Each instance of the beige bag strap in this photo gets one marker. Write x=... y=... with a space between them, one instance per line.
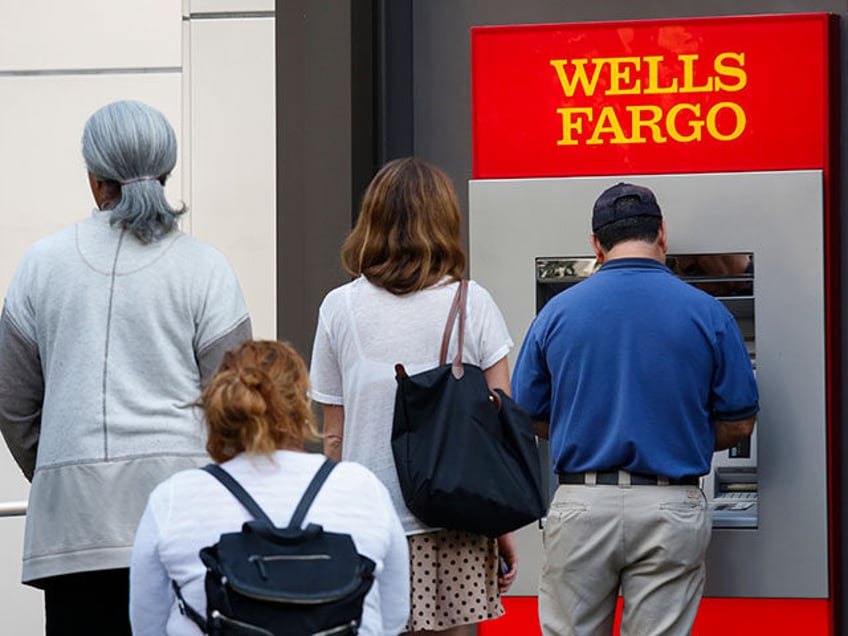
x=457 y=307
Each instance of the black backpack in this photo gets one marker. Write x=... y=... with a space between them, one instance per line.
x=269 y=581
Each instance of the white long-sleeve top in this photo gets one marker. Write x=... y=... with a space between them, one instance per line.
x=192 y=509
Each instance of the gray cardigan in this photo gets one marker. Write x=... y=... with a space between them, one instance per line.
x=104 y=342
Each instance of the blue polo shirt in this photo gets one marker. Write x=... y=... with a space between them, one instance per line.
x=631 y=367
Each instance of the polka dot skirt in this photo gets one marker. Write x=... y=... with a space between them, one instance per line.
x=454 y=580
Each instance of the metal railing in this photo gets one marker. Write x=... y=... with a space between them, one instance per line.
x=13 y=509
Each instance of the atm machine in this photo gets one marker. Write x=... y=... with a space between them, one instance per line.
x=769 y=498
x=749 y=221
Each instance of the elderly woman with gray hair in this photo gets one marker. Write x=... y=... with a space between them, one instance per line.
x=109 y=329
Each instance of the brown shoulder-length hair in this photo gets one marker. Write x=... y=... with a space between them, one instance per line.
x=258 y=401
x=407 y=234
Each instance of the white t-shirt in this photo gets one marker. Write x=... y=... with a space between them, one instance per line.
x=363 y=331
x=192 y=509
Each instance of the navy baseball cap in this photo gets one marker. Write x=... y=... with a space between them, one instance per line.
x=644 y=204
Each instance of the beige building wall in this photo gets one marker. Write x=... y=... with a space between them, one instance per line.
x=209 y=66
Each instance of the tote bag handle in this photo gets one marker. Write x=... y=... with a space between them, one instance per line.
x=457 y=307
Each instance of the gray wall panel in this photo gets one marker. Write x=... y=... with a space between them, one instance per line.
x=314 y=159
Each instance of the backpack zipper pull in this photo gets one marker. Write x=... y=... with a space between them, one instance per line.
x=260 y=564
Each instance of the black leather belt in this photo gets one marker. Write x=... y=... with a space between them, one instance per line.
x=611 y=478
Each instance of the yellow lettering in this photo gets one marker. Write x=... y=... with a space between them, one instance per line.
x=607 y=123
x=569 y=85
x=712 y=115
x=689 y=76
x=572 y=122
x=653 y=87
x=695 y=124
x=658 y=123
x=736 y=72
x=621 y=80
x=654 y=114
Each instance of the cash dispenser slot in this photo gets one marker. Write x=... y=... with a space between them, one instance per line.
x=734 y=503
x=735 y=480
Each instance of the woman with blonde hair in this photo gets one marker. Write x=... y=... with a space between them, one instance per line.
x=259 y=417
x=406 y=256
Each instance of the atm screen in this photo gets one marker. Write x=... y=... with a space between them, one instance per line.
x=721 y=275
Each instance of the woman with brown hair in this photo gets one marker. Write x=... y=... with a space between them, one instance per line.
x=406 y=256
x=259 y=416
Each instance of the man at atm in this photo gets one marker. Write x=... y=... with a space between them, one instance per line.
x=636 y=377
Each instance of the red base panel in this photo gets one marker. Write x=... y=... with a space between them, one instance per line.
x=725 y=616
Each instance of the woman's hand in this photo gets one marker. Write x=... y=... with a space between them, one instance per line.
x=509 y=561
x=333 y=432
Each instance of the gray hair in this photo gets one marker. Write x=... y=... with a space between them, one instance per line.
x=131 y=143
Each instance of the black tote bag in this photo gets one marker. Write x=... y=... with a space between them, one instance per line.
x=466 y=457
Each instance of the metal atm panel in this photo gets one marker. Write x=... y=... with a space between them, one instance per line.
x=778 y=218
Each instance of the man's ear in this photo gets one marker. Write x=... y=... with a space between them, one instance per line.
x=600 y=254
x=662 y=238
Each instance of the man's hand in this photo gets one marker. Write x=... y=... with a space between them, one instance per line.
x=731 y=432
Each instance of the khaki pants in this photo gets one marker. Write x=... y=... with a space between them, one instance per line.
x=649 y=541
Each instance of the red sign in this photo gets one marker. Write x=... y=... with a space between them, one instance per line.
x=650 y=97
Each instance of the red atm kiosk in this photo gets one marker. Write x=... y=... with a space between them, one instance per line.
x=728 y=120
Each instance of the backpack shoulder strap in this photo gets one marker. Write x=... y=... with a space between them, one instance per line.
x=311 y=491
x=238 y=492
x=188 y=611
